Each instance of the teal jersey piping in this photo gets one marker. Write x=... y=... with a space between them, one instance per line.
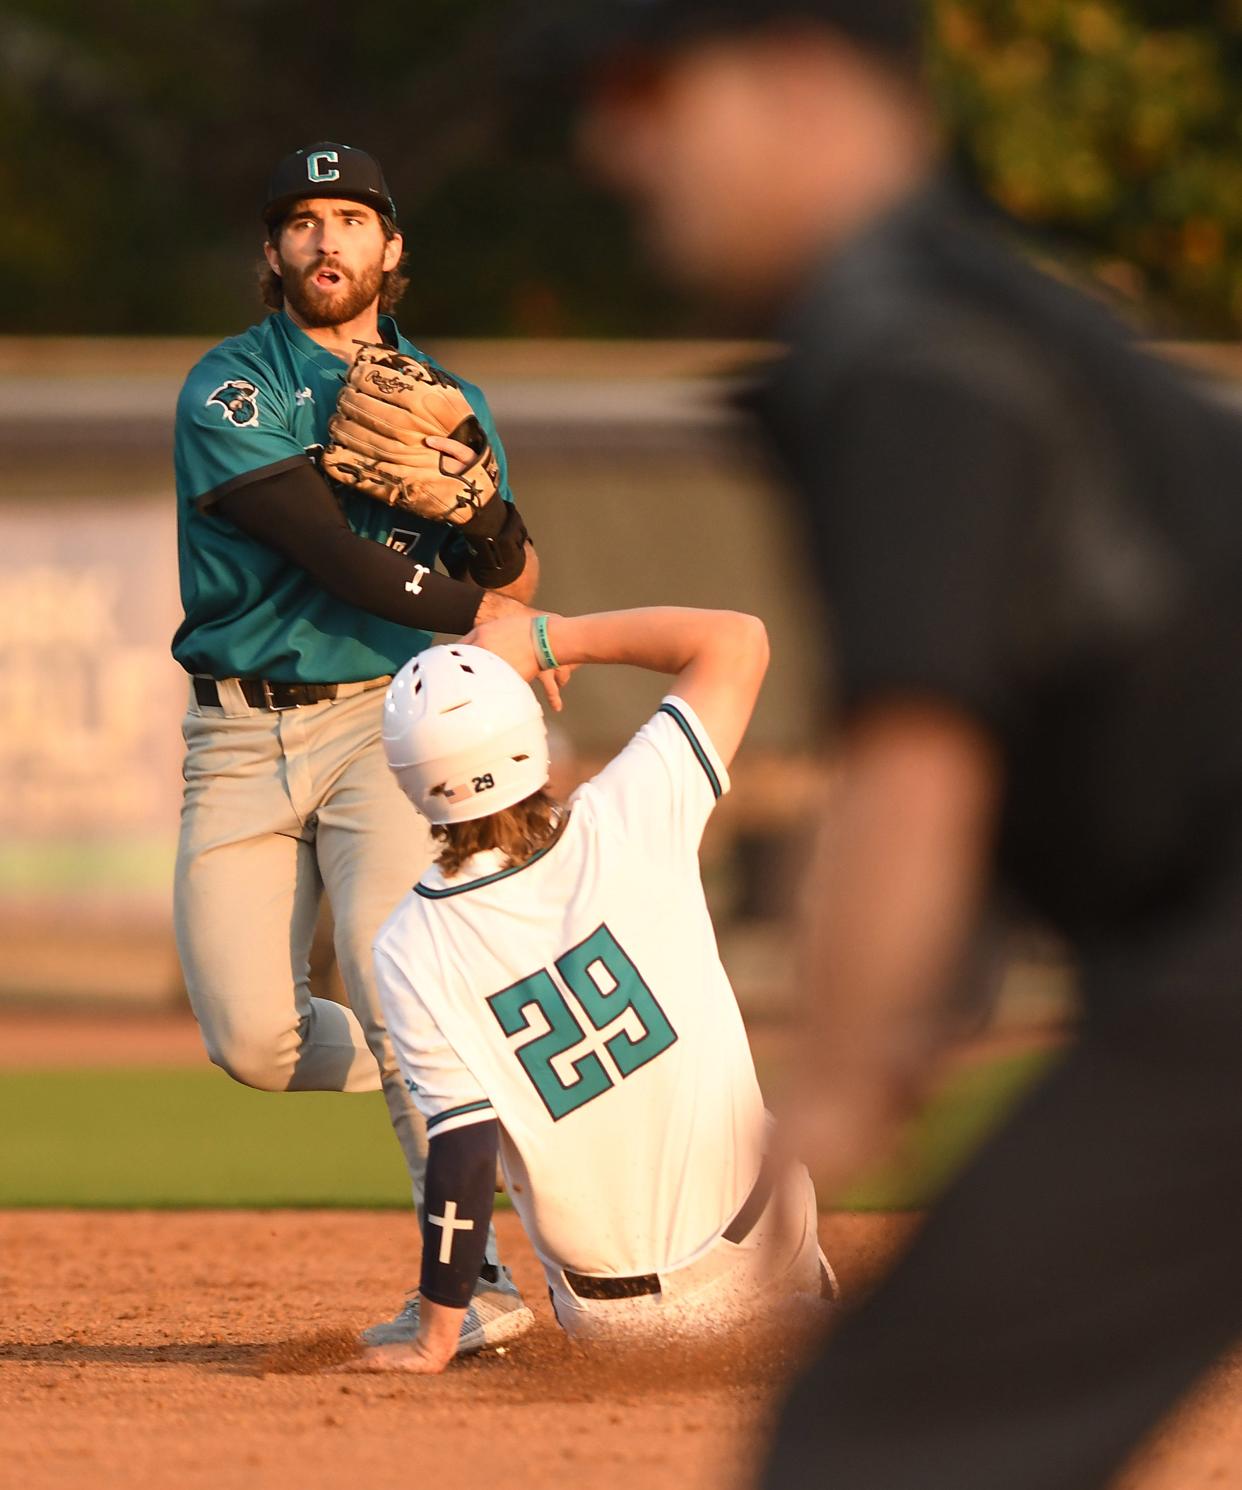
x=489 y=879
x=483 y=1106
x=700 y=753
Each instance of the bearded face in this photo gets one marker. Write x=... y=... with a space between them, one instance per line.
x=328 y=293
x=332 y=257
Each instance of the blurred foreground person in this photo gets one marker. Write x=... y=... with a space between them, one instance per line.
x=1029 y=538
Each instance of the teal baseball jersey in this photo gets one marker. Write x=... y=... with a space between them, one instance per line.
x=256 y=405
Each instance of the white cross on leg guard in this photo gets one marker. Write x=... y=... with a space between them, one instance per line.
x=449 y=1225
x=415 y=586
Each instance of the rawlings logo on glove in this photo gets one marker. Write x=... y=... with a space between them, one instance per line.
x=390 y=405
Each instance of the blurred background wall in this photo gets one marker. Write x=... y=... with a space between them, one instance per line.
x=138 y=137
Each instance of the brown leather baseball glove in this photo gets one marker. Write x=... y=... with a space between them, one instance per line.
x=388 y=408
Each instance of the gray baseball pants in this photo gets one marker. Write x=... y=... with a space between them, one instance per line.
x=278 y=808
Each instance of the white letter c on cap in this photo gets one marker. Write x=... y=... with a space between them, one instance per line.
x=315 y=166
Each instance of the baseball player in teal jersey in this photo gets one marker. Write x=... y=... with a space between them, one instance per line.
x=302 y=597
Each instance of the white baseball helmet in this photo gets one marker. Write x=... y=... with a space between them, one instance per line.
x=464 y=734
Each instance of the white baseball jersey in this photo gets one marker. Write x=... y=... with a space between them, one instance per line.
x=580 y=999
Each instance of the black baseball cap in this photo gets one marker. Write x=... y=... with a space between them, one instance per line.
x=575 y=39
x=327 y=169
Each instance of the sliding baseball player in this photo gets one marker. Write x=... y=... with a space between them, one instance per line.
x=554 y=994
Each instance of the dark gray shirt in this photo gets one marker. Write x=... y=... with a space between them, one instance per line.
x=1016 y=510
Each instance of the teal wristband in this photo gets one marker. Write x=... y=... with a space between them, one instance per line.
x=543 y=648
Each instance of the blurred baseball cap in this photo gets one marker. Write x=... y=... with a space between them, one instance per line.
x=327 y=169
x=571 y=40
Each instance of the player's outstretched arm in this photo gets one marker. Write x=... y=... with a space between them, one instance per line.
x=718 y=658
x=296 y=514
x=459 y=1192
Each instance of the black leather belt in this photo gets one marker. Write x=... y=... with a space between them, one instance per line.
x=612 y=1288
x=632 y=1288
x=260 y=694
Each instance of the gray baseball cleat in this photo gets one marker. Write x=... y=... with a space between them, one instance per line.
x=496 y=1316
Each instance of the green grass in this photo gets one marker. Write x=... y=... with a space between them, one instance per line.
x=947 y=1133
x=176 y=1138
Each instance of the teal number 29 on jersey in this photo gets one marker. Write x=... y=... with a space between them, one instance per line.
x=607 y=987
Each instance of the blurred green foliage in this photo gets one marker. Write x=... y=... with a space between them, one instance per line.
x=1117 y=122
x=138 y=136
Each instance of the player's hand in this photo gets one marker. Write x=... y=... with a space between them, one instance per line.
x=458 y=458
x=411 y=1356
x=435 y=1345
x=431 y=1350
x=423 y=1360
x=509 y=636
x=552 y=683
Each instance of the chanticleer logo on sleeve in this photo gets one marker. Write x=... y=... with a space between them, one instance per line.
x=240 y=402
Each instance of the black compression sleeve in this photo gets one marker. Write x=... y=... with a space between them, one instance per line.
x=459 y=1193
x=295 y=513
x=491 y=547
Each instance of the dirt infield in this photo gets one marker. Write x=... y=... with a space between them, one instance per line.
x=34 y=1039
x=136 y=1351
